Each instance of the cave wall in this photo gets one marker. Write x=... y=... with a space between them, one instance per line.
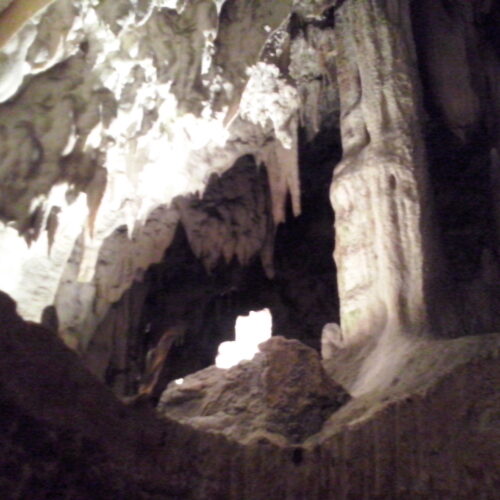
x=67 y=435
x=195 y=300
x=111 y=110
x=459 y=65
x=114 y=125
x=122 y=108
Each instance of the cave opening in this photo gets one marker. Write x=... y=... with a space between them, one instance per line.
x=189 y=311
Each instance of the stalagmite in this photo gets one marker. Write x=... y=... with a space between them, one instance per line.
x=378 y=189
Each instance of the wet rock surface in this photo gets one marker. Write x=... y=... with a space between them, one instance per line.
x=283 y=395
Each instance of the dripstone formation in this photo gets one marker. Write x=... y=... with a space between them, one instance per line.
x=167 y=166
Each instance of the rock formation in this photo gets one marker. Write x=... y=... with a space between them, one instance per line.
x=431 y=433
x=282 y=395
x=379 y=190
x=169 y=165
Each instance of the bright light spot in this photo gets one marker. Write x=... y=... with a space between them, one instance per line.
x=179 y=381
x=12 y=248
x=251 y=331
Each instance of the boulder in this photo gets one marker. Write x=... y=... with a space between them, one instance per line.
x=282 y=395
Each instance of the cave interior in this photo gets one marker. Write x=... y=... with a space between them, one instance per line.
x=170 y=167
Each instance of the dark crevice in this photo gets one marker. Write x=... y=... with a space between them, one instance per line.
x=458 y=152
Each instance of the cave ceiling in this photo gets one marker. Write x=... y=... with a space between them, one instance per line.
x=111 y=110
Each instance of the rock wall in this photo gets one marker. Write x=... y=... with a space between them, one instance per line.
x=90 y=103
x=66 y=435
x=122 y=107
x=459 y=63
x=203 y=296
x=282 y=395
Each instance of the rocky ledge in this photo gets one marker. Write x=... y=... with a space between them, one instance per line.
x=283 y=395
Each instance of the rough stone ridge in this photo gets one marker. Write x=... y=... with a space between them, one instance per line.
x=65 y=436
x=283 y=395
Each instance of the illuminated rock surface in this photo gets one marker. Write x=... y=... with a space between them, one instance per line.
x=109 y=116
x=379 y=190
x=280 y=396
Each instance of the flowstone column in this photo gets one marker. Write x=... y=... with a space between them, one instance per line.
x=379 y=189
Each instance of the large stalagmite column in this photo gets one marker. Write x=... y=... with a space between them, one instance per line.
x=378 y=191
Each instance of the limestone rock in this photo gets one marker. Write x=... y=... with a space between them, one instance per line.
x=109 y=110
x=379 y=191
x=283 y=395
x=63 y=432
x=65 y=436
x=232 y=219
x=331 y=338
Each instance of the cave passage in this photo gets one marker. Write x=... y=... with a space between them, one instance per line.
x=194 y=310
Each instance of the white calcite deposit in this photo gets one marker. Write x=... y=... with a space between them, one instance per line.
x=111 y=110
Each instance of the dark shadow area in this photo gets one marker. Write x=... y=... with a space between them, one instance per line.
x=461 y=186
x=459 y=138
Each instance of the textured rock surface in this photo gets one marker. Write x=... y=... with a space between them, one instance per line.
x=64 y=435
x=179 y=292
x=111 y=109
x=233 y=218
x=379 y=191
x=88 y=118
x=281 y=396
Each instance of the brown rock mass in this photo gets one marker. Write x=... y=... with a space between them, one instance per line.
x=283 y=395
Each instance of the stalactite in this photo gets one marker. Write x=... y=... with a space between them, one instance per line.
x=283 y=172
x=95 y=193
x=51 y=225
x=232 y=218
